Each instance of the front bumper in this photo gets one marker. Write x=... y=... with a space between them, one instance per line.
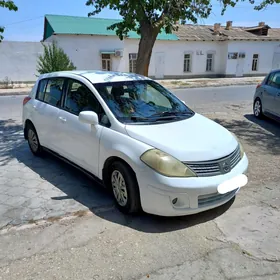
x=193 y=195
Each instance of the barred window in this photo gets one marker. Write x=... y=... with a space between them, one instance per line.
x=187 y=62
x=106 y=62
x=132 y=62
x=209 y=62
x=255 y=62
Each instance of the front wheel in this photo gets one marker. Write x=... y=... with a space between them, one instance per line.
x=258 y=108
x=125 y=188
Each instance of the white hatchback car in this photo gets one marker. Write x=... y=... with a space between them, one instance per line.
x=137 y=138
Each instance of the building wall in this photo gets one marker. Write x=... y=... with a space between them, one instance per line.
x=18 y=60
x=174 y=57
x=265 y=50
x=84 y=50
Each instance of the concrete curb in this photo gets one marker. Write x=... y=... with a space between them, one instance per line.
x=13 y=93
x=215 y=85
x=18 y=93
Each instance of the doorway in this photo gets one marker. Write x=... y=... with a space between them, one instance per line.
x=240 y=67
x=159 y=65
x=276 y=61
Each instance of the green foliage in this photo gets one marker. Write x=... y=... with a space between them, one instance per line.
x=161 y=13
x=10 y=5
x=264 y=4
x=54 y=59
x=149 y=17
x=157 y=13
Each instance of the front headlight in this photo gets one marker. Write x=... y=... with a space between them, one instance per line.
x=166 y=164
x=240 y=145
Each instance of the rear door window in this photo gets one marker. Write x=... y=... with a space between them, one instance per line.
x=53 y=92
x=50 y=91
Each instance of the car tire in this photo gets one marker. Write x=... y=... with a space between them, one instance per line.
x=125 y=188
x=257 y=109
x=33 y=140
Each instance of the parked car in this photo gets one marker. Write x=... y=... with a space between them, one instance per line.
x=267 y=97
x=137 y=138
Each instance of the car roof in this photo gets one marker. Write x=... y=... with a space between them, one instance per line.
x=274 y=70
x=97 y=76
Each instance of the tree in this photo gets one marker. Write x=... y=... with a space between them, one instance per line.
x=149 y=17
x=54 y=59
x=262 y=5
x=10 y=5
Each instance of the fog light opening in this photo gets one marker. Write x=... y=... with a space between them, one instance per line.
x=174 y=201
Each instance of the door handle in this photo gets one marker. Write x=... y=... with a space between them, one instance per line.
x=35 y=107
x=62 y=119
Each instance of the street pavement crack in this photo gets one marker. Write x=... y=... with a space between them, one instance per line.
x=205 y=256
x=256 y=275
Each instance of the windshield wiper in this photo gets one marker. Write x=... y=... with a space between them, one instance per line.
x=134 y=118
x=152 y=118
x=167 y=115
x=171 y=113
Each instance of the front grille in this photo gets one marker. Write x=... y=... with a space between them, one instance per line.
x=208 y=199
x=216 y=167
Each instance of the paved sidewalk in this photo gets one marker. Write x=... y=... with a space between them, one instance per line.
x=206 y=82
x=239 y=240
x=15 y=91
x=34 y=188
x=171 y=84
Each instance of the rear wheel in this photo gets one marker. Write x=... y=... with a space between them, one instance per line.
x=125 y=188
x=33 y=140
x=258 y=108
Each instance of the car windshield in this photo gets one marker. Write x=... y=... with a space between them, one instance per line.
x=142 y=101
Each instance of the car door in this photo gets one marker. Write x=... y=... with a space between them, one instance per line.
x=77 y=141
x=269 y=94
x=276 y=85
x=46 y=108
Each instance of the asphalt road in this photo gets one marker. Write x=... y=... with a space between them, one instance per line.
x=194 y=97
x=229 y=94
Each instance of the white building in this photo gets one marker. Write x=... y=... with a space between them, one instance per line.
x=192 y=51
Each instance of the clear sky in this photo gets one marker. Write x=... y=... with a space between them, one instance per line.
x=27 y=23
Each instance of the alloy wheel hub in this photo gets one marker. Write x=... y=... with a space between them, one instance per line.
x=119 y=187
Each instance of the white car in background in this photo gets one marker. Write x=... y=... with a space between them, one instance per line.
x=139 y=139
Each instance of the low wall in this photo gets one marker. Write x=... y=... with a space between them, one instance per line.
x=18 y=61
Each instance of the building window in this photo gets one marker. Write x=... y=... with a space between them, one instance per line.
x=255 y=62
x=187 y=62
x=209 y=62
x=106 y=62
x=132 y=62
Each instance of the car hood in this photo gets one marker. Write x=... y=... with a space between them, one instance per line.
x=194 y=139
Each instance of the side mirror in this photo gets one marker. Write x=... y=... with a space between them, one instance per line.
x=88 y=117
